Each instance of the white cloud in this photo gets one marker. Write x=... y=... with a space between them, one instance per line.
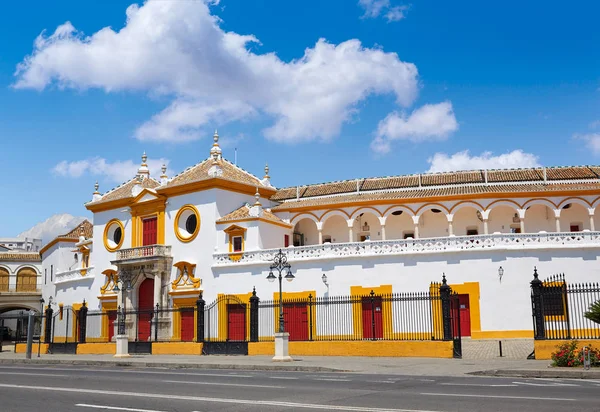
x=429 y=122
x=118 y=171
x=52 y=227
x=591 y=140
x=396 y=13
x=176 y=49
x=442 y=162
x=376 y=8
x=595 y=124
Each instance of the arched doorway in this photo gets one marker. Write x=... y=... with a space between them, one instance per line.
x=145 y=309
x=504 y=218
x=574 y=218
x=467 y=221
x=305 y=233
x=26 y=280
x=335 y=229
x=4 y=278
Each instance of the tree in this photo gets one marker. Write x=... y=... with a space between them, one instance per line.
x=594 y=312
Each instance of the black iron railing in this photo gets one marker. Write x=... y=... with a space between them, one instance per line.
x=559 y=308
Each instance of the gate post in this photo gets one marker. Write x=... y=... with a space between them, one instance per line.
x=200 y=303
x=446 y=315
x=537 y=286
x=254 y=316
x=156 y=313
x=374 y=336
x=48 y=325
x=83 y=322
x=310 y=324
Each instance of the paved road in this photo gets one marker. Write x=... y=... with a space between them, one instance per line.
x=85 y=389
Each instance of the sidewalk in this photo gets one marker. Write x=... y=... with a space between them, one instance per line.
x=371 y=365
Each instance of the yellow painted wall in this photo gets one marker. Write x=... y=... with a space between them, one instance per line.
x=429 y=349
x=502 y=334
x=544 y=348
x=22 y=348
x=96 y=348
x=176 y=348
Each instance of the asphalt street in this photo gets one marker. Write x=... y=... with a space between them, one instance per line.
x=88 y=389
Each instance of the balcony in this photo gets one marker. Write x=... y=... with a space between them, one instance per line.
x=20 y=290
x=74 y=275
x=142 y=254
x=448 y=244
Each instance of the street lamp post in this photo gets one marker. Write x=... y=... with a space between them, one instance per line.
x=124 y=278
x=42 y=301
x=280 y=264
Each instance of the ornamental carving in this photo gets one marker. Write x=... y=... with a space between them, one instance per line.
x=111 y=281
x=185 y=277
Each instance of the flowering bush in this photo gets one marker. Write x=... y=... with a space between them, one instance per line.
x=568 y=355
x=565 y=355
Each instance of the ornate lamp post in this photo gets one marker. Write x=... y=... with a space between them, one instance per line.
x=124 y=278
x=280 y=264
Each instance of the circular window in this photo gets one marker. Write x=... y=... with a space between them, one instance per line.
x=113 y=235
x=187 y=223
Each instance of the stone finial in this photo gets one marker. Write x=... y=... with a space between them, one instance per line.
x=143 y=171
x=267 y=171
x=215 y=151
x=256 y=210
x=96 y=195
x=164 y=179
x=266 y=181
x=257 y=197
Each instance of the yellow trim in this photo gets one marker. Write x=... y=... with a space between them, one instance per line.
x=254 y=219
x=55 y=241
x=235 y=231
x=297 y=297
x=503 y=334
x=176 y=348
x=176 y=223
x=148 y=209
x=96 y=349
x=195 y=282
x=179 y=303
x=105 y=236
x=216 y=183
x=429 y=349
x=471 y=289
x=107 y=306
x=359 y=292
x=544 y=348
x=223 y=314
x=111 y=279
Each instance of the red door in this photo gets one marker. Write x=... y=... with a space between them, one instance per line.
x=145 y=307
x=295 y=320
x=187 y=325
x=149 y=231
x=112 y=318
x=465 y=315
x=368 y=315
x=236 y=322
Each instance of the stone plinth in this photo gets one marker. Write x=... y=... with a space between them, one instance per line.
x=281 y=347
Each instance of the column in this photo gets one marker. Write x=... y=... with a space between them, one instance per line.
x=450 y=226
x=416 y=223
x=557 y=220
x=157 y=288
x=485 y=226
x=591 y=211
x=350 y=223
x=382 y=222
x=521 y=213
x=320 y=236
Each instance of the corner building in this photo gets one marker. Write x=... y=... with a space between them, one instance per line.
x=214 y=228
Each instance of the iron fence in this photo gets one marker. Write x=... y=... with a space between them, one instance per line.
x=559 y=308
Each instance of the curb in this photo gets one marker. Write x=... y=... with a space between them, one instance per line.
x=550 y=373
x=169 y=365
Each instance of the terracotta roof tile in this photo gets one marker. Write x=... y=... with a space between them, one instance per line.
x=244 y=213
x=435 y=192
x=436 y=179
x=88 y=231
x=20 y=257
x=331 y=188
x=288 y=193
x=199 y=172
x=514 y=175
x=392 y=182
x=124 y=191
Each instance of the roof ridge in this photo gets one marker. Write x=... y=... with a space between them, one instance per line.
x=241 y=169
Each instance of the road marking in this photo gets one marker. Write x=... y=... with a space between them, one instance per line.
x=331 y=379
x=545 y=385
x=227 y=384
x=139 y=371
x=114 y=408
x=283 y=377
x=113 y=394
x=382 y=381
x=479 y=384
x=35 y=374
x=497 y=396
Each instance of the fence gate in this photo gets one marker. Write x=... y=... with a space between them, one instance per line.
x=65 y=332
x=226 y=327
x=455 y=314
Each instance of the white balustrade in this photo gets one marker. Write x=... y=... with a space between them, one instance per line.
x=73 y=275
x=499 y=241
x=144 y=252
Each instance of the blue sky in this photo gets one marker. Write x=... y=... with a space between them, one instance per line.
x=515 y=84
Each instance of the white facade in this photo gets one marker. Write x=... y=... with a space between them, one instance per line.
x=402 y=238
